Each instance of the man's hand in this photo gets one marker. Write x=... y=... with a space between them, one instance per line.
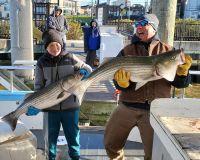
x=32 y=111
x=183 y=69
x=122 y=78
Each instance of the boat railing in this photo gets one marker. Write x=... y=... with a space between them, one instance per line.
x=18 y=65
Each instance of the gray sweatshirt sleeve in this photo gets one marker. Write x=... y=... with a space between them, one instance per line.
x=78 y=64
x=51 y=23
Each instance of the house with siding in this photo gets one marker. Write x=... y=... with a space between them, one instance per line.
x=70 y=7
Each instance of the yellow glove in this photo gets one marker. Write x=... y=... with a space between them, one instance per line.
x=122 y=77
x=183 y=69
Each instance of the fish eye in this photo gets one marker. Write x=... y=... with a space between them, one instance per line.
x=173 y=58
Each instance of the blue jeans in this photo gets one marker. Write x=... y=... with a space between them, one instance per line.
x=69 y=120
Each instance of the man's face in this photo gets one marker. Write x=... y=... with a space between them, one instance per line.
x=144 y=30
x=57 y=13
x=54 y=48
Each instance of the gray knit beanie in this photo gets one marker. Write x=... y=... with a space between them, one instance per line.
x=151 y=18
x=51 y=36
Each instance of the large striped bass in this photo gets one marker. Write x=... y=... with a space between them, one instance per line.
x=142 y=68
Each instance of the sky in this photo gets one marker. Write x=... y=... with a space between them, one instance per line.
x=85 y=2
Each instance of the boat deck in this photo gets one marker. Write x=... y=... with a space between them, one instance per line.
x=92 y=148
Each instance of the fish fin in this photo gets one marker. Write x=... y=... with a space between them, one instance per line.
x=61 y=95
x=80 y=97
x=79 y=91
x=10 y=120
x=171 y=74
x=139 y=84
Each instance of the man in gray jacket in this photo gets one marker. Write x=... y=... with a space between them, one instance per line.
x=58 y=22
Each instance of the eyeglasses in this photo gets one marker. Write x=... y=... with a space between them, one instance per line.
x=141 y=23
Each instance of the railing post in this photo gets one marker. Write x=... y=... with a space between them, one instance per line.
x=11 y=80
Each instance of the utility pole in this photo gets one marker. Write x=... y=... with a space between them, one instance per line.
x=92 y=5
x=146 y=6
x=21 y=29
x=166 y=13
x=97 y=6
x=98 y=2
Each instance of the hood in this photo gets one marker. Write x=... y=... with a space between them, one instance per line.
x=93 y=20
x=57 y=8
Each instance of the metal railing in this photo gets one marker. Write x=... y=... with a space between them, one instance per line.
x=182 y=95
x=183 y=31
x=187 y=32
x=17 y=65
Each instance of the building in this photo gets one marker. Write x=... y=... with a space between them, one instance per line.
x=70 y=7
x=192 y=9
x=188 y=9
x=4 y=9
x=123 y=3
x=86 y=10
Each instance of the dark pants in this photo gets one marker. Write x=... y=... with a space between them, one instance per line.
x=91 y=57
x=52 y=123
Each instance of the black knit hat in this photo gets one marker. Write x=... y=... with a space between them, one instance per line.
x=151 y=18
x=51 y=36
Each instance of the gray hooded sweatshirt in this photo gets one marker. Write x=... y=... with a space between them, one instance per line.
x=58 y=23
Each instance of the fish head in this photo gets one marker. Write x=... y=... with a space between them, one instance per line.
x=168 y=62
x=71 y=80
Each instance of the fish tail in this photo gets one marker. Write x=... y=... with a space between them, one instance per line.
x=11 y=120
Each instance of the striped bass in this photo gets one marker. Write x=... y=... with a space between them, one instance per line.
x=142 y=68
